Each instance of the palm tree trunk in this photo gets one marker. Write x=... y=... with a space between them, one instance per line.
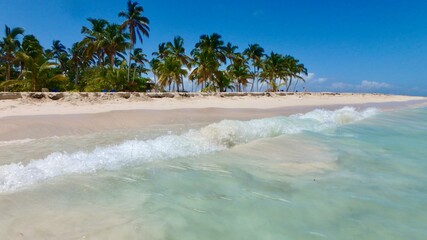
x=130 y=53
x=134 y=74
x=7 y=71
x=257 y=81
x=253 y=81
x=76 y=79
x=112 y=60
x=289 y=85
x=182 y=84
x=155 y=78
x=295 y=86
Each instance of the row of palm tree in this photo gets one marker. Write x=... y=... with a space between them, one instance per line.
x=108 y=58
x=216 y=66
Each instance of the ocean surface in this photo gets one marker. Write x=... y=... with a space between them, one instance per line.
x=343 y=174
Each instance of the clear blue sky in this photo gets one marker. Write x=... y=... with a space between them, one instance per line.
x=362 y=45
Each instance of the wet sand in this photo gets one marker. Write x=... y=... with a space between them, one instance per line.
x=20 y=119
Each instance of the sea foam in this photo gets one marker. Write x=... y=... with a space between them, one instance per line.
x=212 y=138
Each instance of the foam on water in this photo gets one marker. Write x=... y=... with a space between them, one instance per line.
x=212 y=138
x=15 y=142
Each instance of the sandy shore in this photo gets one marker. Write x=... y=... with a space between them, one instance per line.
x=29 y=118
x=27 y=107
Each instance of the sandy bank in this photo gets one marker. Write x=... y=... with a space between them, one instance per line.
x=76 y=115
x=77 y=103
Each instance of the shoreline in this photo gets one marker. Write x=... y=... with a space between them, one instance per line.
x=89 y=103
x=23 y=119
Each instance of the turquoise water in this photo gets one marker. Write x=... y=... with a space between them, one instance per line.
x=344 y=174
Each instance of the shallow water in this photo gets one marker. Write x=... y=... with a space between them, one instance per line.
x=342 y=174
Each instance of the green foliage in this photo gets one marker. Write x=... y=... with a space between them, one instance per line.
x=99 y=79
x=16 y=86
x=140 y=85
x=209 y=88
x=98 y=62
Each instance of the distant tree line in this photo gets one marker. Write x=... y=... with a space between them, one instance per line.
x=108 y=59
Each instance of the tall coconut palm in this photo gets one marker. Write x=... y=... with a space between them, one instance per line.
x=176 y=50
x=273 y=71
x=77 y=62
x=239 y=71
x=137 y=25
x=31 y=47
x=57 y=49
x=208 y=56
x=255 y=52
x=301 y=71
x=170 y=73
x=295 y=70
x=212 y=44
x=9 y=46
x=206 y=68
x=139 y=59
x=230 y=52
x=223 y=82
x=162 y=51
x=91 y=41
x=154 y=65
x=114 y=42
x=63 y=60
x=37 y=70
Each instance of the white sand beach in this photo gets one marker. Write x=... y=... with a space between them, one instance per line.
x=73 y=115
x=107 y=103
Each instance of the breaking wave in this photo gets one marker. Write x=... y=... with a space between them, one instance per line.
x=212 y=138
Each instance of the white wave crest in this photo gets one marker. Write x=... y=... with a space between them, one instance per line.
x=212 y=138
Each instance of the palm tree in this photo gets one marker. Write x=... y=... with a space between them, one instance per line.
x=223 y=82
x=162 y=51
x=37 y=70
x=170 y=73
x=273 y=71
x=206 y=67
x=239 y=71
x=136 y=23
x=10 y=45
x=295 y=70
x=255 y=52
x=208 y=56
x=57 y=49
x=140 y=59
x=301 y=71
x=114 y=42
x=91 y=42
x=212 y=44
x=63 y=60
x=176 y=50
x=31 y=47
x=230 y=52
x=77 y=61
x=154 y=65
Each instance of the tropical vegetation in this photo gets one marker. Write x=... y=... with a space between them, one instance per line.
x=110 y=57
